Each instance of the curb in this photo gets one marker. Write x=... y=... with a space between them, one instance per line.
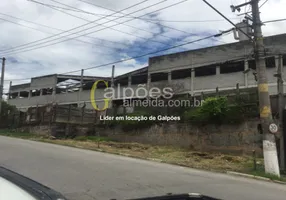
x=154 y=159
x=255 y=177
x=280 y=182
x=161 y=161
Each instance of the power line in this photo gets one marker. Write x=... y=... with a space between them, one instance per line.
x=73 y=28
x=146 y=20
x=263 y=3
x=150 y=19
x=275 y=20
x=126 y=24
x=82 y=31
x=125 y=15
x=112 y=28
x=91 y=28
x=227 y=19
x=90 y=43
x=130 y=14
x=38 y=24
x=147 y=54
x=239 y=58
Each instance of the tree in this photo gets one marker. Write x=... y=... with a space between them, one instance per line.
x=6 y=111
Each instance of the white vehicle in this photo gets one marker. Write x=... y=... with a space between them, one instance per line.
x=14 y=186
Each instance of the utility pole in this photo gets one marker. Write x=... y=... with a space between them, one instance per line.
x=269 y=144
x=2 y=84
x=280 y=89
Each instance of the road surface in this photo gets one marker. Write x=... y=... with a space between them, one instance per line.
x=88 y=175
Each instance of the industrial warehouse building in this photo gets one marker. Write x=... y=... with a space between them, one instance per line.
x=189 y=72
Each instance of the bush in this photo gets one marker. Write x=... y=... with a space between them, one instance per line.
x=216 y=110
x=6 y=109
x=7 y=112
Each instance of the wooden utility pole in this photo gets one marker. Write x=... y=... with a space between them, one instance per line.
x=269 y=144
x=2 y=85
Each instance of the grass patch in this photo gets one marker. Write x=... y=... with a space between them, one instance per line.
x=168 y=154
x=23 y=135
x=262 y=173
x=92 y=138
x=172 y=155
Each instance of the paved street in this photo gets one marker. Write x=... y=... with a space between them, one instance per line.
x=87 y=175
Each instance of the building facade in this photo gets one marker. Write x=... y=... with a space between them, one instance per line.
x=189 y=72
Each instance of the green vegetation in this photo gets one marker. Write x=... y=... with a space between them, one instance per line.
x=23 y=135
x=92 y=138
x=220 y=110
x=7 y=109
x=6 y=116
x=262 y=173
x=213 y=110
x=168 y=154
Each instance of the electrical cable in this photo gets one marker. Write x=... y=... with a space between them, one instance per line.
x=98 y=30
x=150 y=19
x=146 y=20
x=263 y=3
x=240 y=58
x=90 y=43
x=72 y=28
x=85 y=30
x=147 y=39
x=143 y=55
x=49 y=27
x=128 y=20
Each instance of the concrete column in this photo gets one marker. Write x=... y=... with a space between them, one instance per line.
x=148 y=83
x=278 y=61
x=41 y=92
x=55 y=89
x=192 y=81
x=81 y=79
x=30 y=94
x=217 y=70
x=9 y=93
x=112 y=76
x=246 y=67
x=129 y=81
x=169 y=77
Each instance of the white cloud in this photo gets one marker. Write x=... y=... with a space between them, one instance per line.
x=75 y=55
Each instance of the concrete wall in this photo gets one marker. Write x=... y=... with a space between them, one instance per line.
x=200 y=57
x=43 y=82
x=21 y=88
x=206 y=84
x=213 y=55
x=233 y=139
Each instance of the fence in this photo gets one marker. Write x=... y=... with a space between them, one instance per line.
x=49 y=114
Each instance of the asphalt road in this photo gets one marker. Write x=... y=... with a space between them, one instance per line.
x=88 y=175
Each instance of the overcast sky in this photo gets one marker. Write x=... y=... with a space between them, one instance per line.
x=170 y=26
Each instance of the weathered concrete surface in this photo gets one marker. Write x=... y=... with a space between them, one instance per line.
x=87 y=175
x=234 y=139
